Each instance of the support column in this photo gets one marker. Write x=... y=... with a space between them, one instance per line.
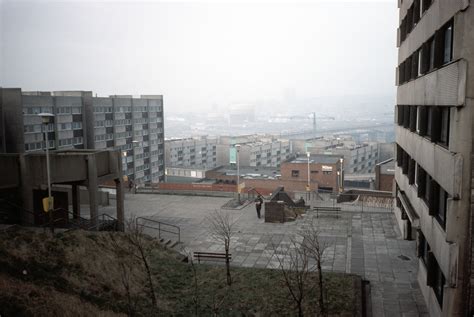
x=120 y=204
x=76 y=202
x=93 y=188
x=27 y=218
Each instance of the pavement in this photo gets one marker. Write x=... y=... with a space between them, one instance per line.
x=364 y=243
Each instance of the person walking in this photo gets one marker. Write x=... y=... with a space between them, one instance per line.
x=258 y=204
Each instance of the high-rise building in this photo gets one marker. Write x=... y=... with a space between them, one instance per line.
x=434 y=136
x=82 y=121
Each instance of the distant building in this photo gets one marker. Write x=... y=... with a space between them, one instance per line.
x=325 y=174
x=434 y=134
x=358 y=158
x=191 y=152
x=255 y=150
x=132 y=125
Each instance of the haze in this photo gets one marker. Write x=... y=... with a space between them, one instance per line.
x=202 y=55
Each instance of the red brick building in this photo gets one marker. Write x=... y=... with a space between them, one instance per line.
x=384 y=175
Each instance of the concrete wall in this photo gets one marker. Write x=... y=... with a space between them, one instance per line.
x=13 y=118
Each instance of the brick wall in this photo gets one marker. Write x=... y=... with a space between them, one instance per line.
x=316 y=174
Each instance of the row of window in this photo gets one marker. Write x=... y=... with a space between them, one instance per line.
x=413 y=16
x=123 y=121
x=432 y=122
x=432 y=54
x=99 y=109
x=435 y=277
x=59 y=110
x=38 y=145
x=71 y=141
x=434 y=196
x=36 y=128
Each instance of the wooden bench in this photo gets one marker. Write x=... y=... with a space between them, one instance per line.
x=327 y=208
x=210 y=256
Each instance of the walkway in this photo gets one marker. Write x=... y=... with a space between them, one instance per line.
x=366 y=244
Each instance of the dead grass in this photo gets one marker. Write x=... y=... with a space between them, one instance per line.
x=78 y=274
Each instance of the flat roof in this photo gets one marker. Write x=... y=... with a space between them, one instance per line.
x=317 y=159
x=252 y=172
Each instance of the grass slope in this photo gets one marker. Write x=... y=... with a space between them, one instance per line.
x=81 y=274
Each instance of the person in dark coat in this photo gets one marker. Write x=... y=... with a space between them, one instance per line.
x=258 y=205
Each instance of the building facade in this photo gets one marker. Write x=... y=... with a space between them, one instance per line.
x=255 y=151
x=434 y=136
x=132 y=125
x=191 y=152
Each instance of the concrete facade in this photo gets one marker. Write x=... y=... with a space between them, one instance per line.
x=255 y=150
x=82 y=121
x=192 y=152
x=358 y=158
x=434 y=136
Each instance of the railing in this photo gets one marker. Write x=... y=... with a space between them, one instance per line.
x=159 y=228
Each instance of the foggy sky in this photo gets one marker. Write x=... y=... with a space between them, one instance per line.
x=200 y=54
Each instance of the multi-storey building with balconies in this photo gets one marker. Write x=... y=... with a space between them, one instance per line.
x=191 y=152
x=434 y=136
x=132 y=125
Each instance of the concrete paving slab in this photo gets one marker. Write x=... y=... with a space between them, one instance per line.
x=366 y=243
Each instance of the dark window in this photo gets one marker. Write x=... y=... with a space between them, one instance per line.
x=442 y=207
x=423 y=247
x=416 y=11
x=435 y=278
x=411 y=171
x=399 y=115
x=414 y=65
x=295 y=173
x=425 y=4
x=421 y=181
x=405 y=160
x=429 y=123
x=423 y=120
x=444 y=126
x=406 y=117
x=413 y=113
x=399 y=156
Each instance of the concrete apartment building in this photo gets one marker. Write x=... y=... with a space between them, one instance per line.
x=255 y=151
x=192 y=152
x=132 y=125
x=358 y=158
x=434 y=159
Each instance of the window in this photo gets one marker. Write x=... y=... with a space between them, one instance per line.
x=435 y=278
x=423 y=248
x=442 y=204
x=444 y=133
x=448 y=44
x=295 y=173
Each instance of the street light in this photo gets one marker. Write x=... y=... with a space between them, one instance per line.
x=308 y=186
x=48 y=118
x=134 y=145
x=341 y=160
x=237 y=146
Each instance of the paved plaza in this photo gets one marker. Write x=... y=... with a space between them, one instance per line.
x=363 y=243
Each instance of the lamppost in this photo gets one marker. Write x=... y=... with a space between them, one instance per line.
x=134 y=145
x=237 y=146
x=308 y=189
x=341 y=160
x=48 y=118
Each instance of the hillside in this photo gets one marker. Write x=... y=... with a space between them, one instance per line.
x=80 y=273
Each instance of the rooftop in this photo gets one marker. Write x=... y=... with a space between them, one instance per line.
x=317 y=159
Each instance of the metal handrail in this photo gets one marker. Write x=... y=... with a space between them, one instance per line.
x=160 y=223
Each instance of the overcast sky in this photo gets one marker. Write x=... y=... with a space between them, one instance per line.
x=199 y=54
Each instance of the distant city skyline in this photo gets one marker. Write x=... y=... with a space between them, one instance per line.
x=200 y=54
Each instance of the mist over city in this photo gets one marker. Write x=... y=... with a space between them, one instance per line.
x=237 y=158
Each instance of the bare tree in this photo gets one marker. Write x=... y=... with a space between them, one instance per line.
x=315 y=248
x=221 y=229
x=296 y=271
x=142 y=249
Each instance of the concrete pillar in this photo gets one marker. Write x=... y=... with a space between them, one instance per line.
x=27 y=218
x=93 y=188
x=120 y=204
x=76 y=201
